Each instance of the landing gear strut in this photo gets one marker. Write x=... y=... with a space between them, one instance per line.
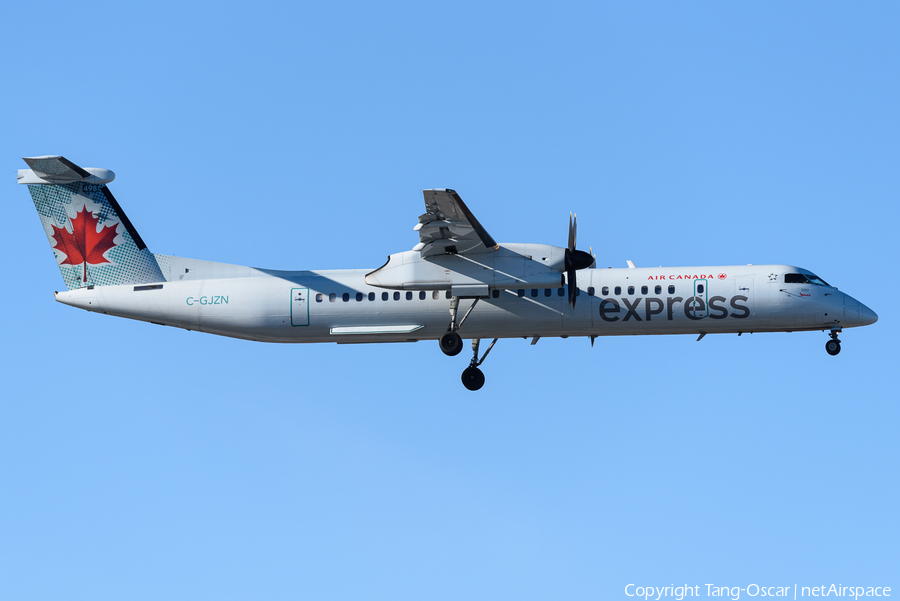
x=833 y=346
x=451 y=342
x=472 y=377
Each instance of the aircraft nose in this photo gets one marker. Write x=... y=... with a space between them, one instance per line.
x=867 y=315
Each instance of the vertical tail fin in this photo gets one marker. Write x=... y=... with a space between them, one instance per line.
x=93 y=241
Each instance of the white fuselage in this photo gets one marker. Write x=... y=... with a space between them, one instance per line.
x=338 y=306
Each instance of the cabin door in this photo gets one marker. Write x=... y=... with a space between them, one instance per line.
x=744 y=287
x=299 y=306
x=699 y=304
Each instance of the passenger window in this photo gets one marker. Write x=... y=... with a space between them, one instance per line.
x=345 y=297
x=618 y=291
x=319 y=297
x=605 y=291
x=657 y=290
x=630 y=290
x=409 y=296
x=422 y=295
x=591 y=291
x=332 y=297
x=671 y=289
x=560 y=292
x=436 y=295
x=495 y=293
x=396 y=296
x=644 y=290
x=447 y=295
x=359 y=297
x=699 y=288
x=534 y=292
x=520 y=292
x=371 y=296
x=547 y=291
x=384 y=296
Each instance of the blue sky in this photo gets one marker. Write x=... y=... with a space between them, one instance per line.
x=143 y=462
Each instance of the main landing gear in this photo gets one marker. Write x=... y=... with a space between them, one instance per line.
x=833 y=346
x=450 y=342
x=472 y=377
x=451 y=345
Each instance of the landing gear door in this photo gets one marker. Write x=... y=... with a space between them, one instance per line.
x=699 y=306
x=299 y=306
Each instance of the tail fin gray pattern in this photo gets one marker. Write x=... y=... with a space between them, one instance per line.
x=92 y=239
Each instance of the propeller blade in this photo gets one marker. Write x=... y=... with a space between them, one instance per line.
x=572 y=282
x=573 y=228
x=575 y=259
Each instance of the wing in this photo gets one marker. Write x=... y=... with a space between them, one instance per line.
x=449 y=227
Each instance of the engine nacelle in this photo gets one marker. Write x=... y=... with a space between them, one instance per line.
x=509 y=267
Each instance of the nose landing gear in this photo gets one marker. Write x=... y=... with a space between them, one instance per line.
x=833 y=346
x=472 y=377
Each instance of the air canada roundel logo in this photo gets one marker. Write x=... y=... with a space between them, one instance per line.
x=722 y=276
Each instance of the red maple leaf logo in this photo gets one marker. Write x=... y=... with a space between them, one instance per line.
x=85 y=244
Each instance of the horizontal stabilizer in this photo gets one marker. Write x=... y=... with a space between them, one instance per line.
x=56 y=170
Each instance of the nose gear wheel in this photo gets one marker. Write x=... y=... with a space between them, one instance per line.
x=833 y=346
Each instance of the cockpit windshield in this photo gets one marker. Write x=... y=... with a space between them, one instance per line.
x=800 y=278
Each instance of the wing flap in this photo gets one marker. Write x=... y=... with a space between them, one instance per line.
x=449 y=227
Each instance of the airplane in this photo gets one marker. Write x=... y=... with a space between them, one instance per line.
x=491 y=290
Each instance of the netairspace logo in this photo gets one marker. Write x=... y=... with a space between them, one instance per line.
x=754 y=590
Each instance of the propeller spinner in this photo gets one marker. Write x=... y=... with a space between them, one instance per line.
x=575 y=259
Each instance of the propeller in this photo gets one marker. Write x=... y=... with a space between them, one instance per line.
x=575 y=259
